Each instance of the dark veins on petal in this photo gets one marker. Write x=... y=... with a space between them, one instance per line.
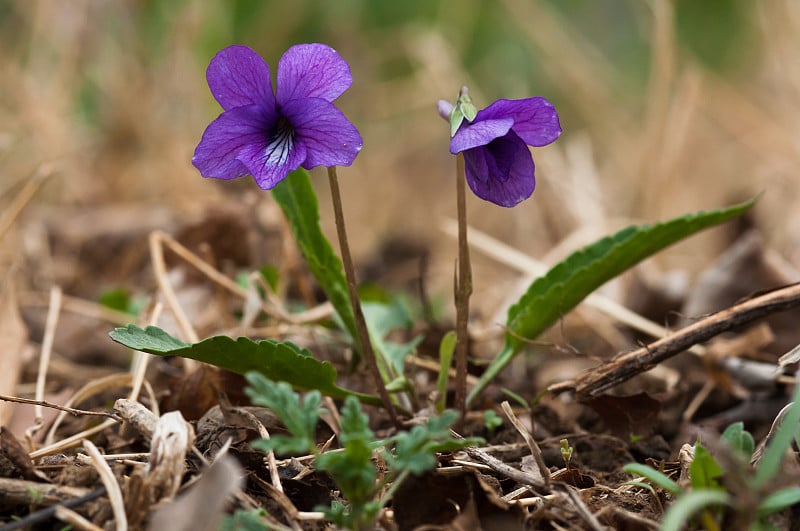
x=502 y=152
x=281 y=143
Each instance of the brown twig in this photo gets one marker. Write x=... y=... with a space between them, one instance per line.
x=44 y=403
x=536 y=452
x=507 y=470
x=625 y=366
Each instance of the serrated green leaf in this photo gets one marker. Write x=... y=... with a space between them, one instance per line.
x=297 y=199
x=569 y=282
x=704 y=469
x=279 y=361
x=151 y=339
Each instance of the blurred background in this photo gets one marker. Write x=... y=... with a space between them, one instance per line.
x=667 y=107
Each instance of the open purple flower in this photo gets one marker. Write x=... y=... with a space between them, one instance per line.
x=497 y=160
x=266 y=134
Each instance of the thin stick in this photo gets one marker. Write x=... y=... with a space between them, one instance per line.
x=24 y=197
x=536 y=452
x=141 y=359
x=626 y=366
x=68 y=516
x=44 y=403
x=23 y=492
x=349 y=271
x=110 y=483
x=160 y=271
x=271 y=307
x=44 y=361
x=463 y=290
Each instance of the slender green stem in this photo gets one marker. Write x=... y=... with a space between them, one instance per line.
x=349 y=271
x=463 y=292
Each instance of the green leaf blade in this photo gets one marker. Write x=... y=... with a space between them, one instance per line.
x=279 y=361
x=655 y=476
x=295 y=195
x=704 y=469
x=680 y=512
x=572 y=280
x=569 y=282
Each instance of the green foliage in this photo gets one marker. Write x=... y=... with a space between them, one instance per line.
x=778 y=501
x=720 y=33
x=655 y=476
x=245 y=521
x=566 y=451
x=680 y=512
x=271 y=276
x=776 y=449
x=283 y=361
x=415 y=450
x=446 y=349
x=739 y=439
x=299 y=417
x=551 y=296
x=382 y=319
x=492 y=420
x=297 y=199
x=463 y=109
x=352 y=469
x=704 y=469
x=707 y=496
x=119 y=299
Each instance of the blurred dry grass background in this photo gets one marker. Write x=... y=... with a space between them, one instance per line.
x=667 y=107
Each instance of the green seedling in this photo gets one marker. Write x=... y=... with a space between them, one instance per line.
x=352 y=468
x=707 y=495
x=566 y=451
x=492 y=420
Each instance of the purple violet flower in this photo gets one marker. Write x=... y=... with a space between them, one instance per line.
x=266 y=134
x=498 y=163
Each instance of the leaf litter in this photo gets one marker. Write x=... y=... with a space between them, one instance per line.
x=495 y=486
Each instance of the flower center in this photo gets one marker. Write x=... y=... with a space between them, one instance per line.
x=280 y=145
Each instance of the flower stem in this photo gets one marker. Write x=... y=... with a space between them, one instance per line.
x=463 y=290
x=349 y=271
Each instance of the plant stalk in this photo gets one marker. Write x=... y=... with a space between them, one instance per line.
x=463 y=290
x=358 y=314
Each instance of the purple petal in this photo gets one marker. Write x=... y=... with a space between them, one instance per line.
x=224 y=139
x=444 y=108
x=479 y=133
x=272 y=160
x=327 y=135
x=238 y=76
x=535 y=119
x=501 y=172
x=312 y=71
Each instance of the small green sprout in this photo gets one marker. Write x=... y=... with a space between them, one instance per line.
x=566 y=451
x=492 y=420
